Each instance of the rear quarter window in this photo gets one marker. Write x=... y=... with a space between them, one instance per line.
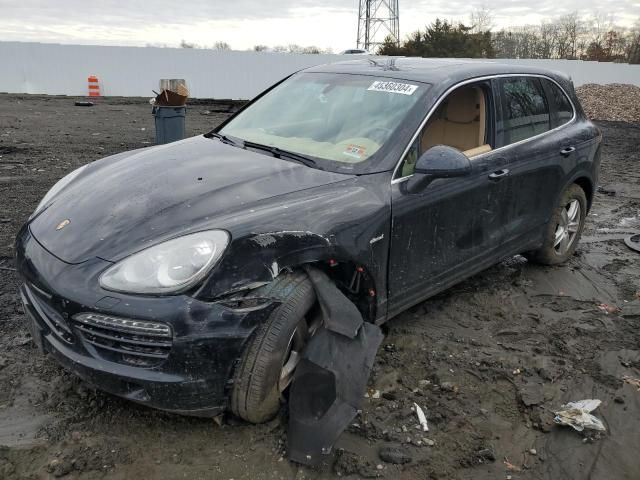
x=525 y=109
x=562 y=109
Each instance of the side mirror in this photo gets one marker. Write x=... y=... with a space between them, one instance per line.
x=439 y=161
x=443 y=162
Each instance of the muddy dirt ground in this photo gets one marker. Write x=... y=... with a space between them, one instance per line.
x=488 y=361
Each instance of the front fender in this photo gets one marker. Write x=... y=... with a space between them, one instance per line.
x=259 y=258
x=347 y=222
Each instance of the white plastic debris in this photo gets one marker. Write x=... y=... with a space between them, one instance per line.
x=421 y=418
x=577 y=415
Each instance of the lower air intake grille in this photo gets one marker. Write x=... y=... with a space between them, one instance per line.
x=135 y=342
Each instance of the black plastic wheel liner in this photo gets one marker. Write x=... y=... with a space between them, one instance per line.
x=340 y=314
x=329 y=383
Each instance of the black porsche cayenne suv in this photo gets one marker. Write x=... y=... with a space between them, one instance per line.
x=175 y=276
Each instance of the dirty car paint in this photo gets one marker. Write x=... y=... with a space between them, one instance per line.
x=384 y=247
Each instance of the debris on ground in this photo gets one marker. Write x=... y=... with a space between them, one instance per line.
x=371 y=393
x=394 y=454
x=606 y=308
x=510 y=466
x=486 y=454
x=614 y=102
x=421 y=417
x=577 y=415
x=606 y=190
x=632 y=381
x=633 y=242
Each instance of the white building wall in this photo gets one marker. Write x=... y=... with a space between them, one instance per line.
x=134 y=71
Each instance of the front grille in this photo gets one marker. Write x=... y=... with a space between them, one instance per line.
x=135 y=342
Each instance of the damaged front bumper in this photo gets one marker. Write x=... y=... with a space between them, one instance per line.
x=173 y=353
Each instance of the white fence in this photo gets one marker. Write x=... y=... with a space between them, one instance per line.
x=134 y=71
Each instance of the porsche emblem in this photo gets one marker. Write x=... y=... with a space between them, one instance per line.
x=63 y=224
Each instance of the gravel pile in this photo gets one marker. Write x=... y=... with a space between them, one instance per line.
x=614 y=102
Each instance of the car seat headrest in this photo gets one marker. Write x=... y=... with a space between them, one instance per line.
x=463 y=106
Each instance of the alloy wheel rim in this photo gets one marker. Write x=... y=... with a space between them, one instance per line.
x=568 y=227
x=298 y=340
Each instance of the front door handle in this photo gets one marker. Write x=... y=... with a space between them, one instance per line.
x=499 y=174
x=565 y=152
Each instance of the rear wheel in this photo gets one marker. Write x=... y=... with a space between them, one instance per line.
x=269 y=360
x=564 y=229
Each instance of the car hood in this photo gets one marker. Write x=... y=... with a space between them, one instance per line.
x=120 y=204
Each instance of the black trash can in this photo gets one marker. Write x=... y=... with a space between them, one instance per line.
x=169 y=123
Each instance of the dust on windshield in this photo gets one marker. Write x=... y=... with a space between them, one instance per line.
x=338 y=117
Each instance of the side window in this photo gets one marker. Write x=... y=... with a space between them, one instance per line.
x=410 y=159
x=563 y=111
x=461 y=121
x=525 y=109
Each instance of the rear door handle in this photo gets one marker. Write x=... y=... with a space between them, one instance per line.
x=565 y=152
x=499 y=174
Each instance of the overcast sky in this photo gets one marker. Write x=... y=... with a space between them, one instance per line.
x=244 y=23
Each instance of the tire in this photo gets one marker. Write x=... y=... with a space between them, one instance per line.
x=256 y=392
x=560 y=245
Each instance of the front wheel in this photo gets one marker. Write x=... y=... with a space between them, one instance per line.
x=564 y=230
x=268 y=362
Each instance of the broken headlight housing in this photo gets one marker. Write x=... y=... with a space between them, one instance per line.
x=169 y=267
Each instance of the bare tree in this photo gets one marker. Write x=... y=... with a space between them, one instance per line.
x=548 y=32
x=481 y=19
x=219 y=45
x=260 y=48
x=311 y=50
x=570 y=27
x=294 y=48
x=599 y=24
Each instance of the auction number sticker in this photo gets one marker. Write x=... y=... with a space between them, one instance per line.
x=393 y=87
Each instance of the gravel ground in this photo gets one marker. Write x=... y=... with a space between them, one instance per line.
x=489 y=360
x=614 y=102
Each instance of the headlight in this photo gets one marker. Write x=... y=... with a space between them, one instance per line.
x=63 y=182
x=167 y=267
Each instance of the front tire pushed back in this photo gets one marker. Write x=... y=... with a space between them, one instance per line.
x=255 y=396
x=564 y=229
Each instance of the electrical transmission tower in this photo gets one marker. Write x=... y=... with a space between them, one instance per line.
x=377 y=20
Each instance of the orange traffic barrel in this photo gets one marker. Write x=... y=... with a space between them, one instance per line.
x=94 y=86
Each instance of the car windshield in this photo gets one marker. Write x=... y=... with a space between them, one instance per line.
x=337 y=117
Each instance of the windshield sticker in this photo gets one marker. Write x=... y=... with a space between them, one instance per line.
x=393 y=87
x=355 y=151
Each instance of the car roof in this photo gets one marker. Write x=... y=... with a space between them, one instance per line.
x=432 y=70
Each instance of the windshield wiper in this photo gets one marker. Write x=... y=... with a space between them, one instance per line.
x=278 y=152
x=223 y=139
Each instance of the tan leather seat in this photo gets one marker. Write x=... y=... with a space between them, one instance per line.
x=478 y=150
x=460 y=124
